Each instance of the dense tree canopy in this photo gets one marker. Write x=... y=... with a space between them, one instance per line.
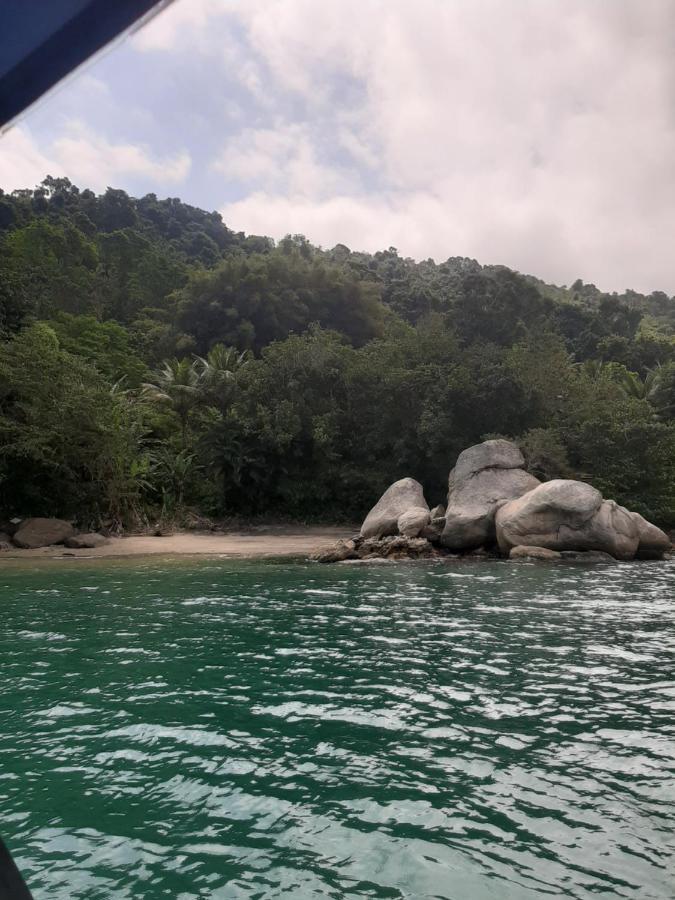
x=153 y=362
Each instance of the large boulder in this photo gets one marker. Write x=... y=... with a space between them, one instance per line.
x=383 y=518
x=485 y=476
x=653 y=542
x=567 y=515
x=35 y=533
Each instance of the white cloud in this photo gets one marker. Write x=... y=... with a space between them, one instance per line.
x=282 y=159
x=85 y=157
x=22 y=163
x=536 y=134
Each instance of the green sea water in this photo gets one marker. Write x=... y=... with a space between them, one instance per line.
x=219 y=729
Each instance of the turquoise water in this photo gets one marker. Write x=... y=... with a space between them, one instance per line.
x=257 y=730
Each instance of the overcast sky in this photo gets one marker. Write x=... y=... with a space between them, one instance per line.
x=535 y=133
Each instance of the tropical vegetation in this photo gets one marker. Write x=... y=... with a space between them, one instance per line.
x=156 y=364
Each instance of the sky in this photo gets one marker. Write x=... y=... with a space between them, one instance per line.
x=538 y=134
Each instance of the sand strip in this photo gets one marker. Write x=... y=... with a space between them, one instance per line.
x=277 y=541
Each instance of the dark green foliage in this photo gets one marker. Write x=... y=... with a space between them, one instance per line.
x=250 y=301
x=153 y=360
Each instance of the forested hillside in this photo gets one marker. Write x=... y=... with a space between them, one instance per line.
x=154 y=362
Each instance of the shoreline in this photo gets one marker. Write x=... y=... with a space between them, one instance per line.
x=270 y=541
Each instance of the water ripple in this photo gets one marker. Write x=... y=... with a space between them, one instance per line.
x=247 y=730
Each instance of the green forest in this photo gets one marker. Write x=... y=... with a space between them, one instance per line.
x=158 y=366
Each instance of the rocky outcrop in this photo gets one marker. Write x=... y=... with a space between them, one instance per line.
x=402 y=496
x=653 y=542
x=85 y=541
x=340 y=551
x=484 y=477
x=493 y=501
x=391 y=547
x=567 y=515
x=34 y=533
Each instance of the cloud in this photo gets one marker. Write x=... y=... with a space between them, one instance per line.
x=87 y=158
x=286 y=158
x=541 y=136
x=22 y=163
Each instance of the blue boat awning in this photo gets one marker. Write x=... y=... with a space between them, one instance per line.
x=42 y=41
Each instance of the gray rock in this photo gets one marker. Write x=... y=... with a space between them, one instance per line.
x=653 y=542
x=412 y=522
x=85 y=541
x=567 y=515
x=339 y=552
x=613 y=530
x=438 y=512
x=434 y=530
x=383 y=518
x=497 y=454
x=5 y=545
x=38 y=532
x=484 y=477
x=533 y=553
x=396 y=547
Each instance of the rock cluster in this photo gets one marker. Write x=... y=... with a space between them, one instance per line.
x=30 y=534
x=390 y=547
x=493 y=502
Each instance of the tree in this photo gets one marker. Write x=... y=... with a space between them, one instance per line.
x=218 y=372
x=176 y=386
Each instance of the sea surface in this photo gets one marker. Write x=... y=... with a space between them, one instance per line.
x=236 y=729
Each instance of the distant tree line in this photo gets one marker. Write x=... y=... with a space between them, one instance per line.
x=155 y=363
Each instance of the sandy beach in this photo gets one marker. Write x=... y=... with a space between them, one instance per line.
x=265 y=542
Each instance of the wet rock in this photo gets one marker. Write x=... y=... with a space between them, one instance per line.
x=541 y=553
x=587 y=556
x=371 y=561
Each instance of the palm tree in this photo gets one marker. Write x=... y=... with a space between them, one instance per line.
x=630 y=382
x=177 y=384
x=639 y=388
x=217 y=372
